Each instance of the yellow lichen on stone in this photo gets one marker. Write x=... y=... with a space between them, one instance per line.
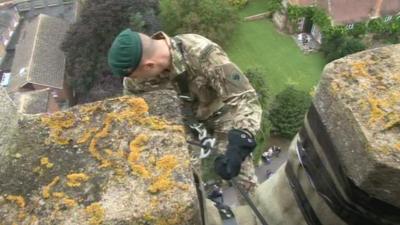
x=161 y=183
x=140 y=170
x=44 y=161
x=155 y=123
x=164 y=181
x=139 y=104
x=58 y=194
x=96 y=154
x=20 y=202
x=167 y=163
x=96 y=213
x=86 y=136
x=87 y=111
x=376 y=109
x=57 y=122
x=75 y=179
x=393 y=119
x=93 y=150
x=397 y=146
x=69 y=202
x=107 y=125
x=335 y=87
x=359 y=69
x=47 y=189
x=135 y=147
x=383 y=110
x=178 y=128
x=17 y=199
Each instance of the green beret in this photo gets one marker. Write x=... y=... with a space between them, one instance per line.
x=125 y=53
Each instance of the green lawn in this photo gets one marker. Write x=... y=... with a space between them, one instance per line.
x=257 y=44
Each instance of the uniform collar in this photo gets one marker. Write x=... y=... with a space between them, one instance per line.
x=178 y=62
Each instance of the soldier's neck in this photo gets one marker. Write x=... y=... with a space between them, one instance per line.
x=163 y=53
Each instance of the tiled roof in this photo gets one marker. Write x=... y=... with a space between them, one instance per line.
x=38 y=57
x=346 y=11
x=32 y=102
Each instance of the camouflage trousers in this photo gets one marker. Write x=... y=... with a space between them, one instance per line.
x=219 y=127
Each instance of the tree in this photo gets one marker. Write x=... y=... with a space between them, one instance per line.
x=338 y=45
x=215 y=20
x=88 y=40
x=288 y=110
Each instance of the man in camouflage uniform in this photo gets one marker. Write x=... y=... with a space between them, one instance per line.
x=222 y=96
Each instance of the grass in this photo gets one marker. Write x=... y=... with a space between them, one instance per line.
x=257 y=44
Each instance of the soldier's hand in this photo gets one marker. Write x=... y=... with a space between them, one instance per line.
x=240 y=145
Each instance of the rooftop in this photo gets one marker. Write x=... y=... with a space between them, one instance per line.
x=38 y=57
x=32 y=102
x=344 y=11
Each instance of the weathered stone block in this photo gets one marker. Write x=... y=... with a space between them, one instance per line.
x=119 y=161
x=358 y=99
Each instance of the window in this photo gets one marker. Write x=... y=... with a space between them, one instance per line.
x=350 y=26
x=38 y=4
x=388 y=18
x=54 y=94
x=5 y=80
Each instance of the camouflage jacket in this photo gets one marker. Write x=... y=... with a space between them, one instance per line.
x=203 y=71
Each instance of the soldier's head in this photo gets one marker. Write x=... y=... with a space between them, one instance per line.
x=137 y=55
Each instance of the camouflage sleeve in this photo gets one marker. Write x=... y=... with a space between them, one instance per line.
x=235 y=90
x=135 y=86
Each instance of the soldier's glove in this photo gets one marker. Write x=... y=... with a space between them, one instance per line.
x=240 y=145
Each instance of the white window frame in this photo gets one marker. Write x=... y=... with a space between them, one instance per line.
x=388 y=18
x=349 y=26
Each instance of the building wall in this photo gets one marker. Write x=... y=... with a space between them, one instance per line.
x=60 y=95
x=52 y=105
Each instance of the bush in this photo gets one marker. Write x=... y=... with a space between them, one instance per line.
x=297 y=12
x=387 y=31
x=358 y=30
x=274 y=5
x=320 y=18
x=257 y=80
x=238 y=3
x=338 y=45
x=288 y=110
x=376 y=26
x=215 y=20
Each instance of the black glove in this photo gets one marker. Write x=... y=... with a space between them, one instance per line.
x=240 y=145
